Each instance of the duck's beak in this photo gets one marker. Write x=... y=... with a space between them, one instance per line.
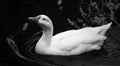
x=35 y=19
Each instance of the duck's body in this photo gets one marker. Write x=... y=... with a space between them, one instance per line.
x=71 y=42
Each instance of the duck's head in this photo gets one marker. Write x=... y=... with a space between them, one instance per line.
x=44 y=21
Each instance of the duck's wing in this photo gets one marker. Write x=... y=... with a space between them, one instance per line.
x=69 y=40
x=84 y=31
x=75 y=33
x=73 y=42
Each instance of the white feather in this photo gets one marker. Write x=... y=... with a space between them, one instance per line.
x=70 y=42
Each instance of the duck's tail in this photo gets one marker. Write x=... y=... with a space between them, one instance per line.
x=104 y=28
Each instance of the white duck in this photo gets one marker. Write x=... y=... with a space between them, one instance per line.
x=71 y=42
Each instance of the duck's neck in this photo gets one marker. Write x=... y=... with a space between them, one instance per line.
x=45 y=41
x=47 y=36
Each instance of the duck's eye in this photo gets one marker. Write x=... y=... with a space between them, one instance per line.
x=44 y=19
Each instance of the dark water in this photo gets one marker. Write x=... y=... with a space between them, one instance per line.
x=19 y=35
